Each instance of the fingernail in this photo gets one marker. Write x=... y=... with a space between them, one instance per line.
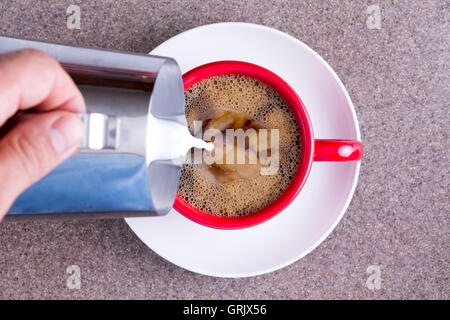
x=66 y=133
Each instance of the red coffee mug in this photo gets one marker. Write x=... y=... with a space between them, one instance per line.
x=312 y=149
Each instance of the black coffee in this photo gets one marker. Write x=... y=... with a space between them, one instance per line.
x=239 y=102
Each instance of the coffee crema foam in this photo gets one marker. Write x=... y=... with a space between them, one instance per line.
x=210 y=99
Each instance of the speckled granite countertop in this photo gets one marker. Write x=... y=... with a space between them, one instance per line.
x=398 y=79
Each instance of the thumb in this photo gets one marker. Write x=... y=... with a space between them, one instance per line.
x=32 y=149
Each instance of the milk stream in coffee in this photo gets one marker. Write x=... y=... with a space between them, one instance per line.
x=169 y=139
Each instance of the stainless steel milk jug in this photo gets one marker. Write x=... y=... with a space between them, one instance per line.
x=111 y=175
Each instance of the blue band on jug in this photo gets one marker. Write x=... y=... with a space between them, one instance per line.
x=90 y=183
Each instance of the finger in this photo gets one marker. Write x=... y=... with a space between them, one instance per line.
x=32 y=149
x=30 y=78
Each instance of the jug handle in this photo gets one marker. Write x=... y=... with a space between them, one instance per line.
x=101 y=131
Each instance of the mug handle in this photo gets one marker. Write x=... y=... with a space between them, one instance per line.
x=337 y=150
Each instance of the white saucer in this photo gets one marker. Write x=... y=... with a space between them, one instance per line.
x=320 y=205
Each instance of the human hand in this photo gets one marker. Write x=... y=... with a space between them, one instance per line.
x=37 y=142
